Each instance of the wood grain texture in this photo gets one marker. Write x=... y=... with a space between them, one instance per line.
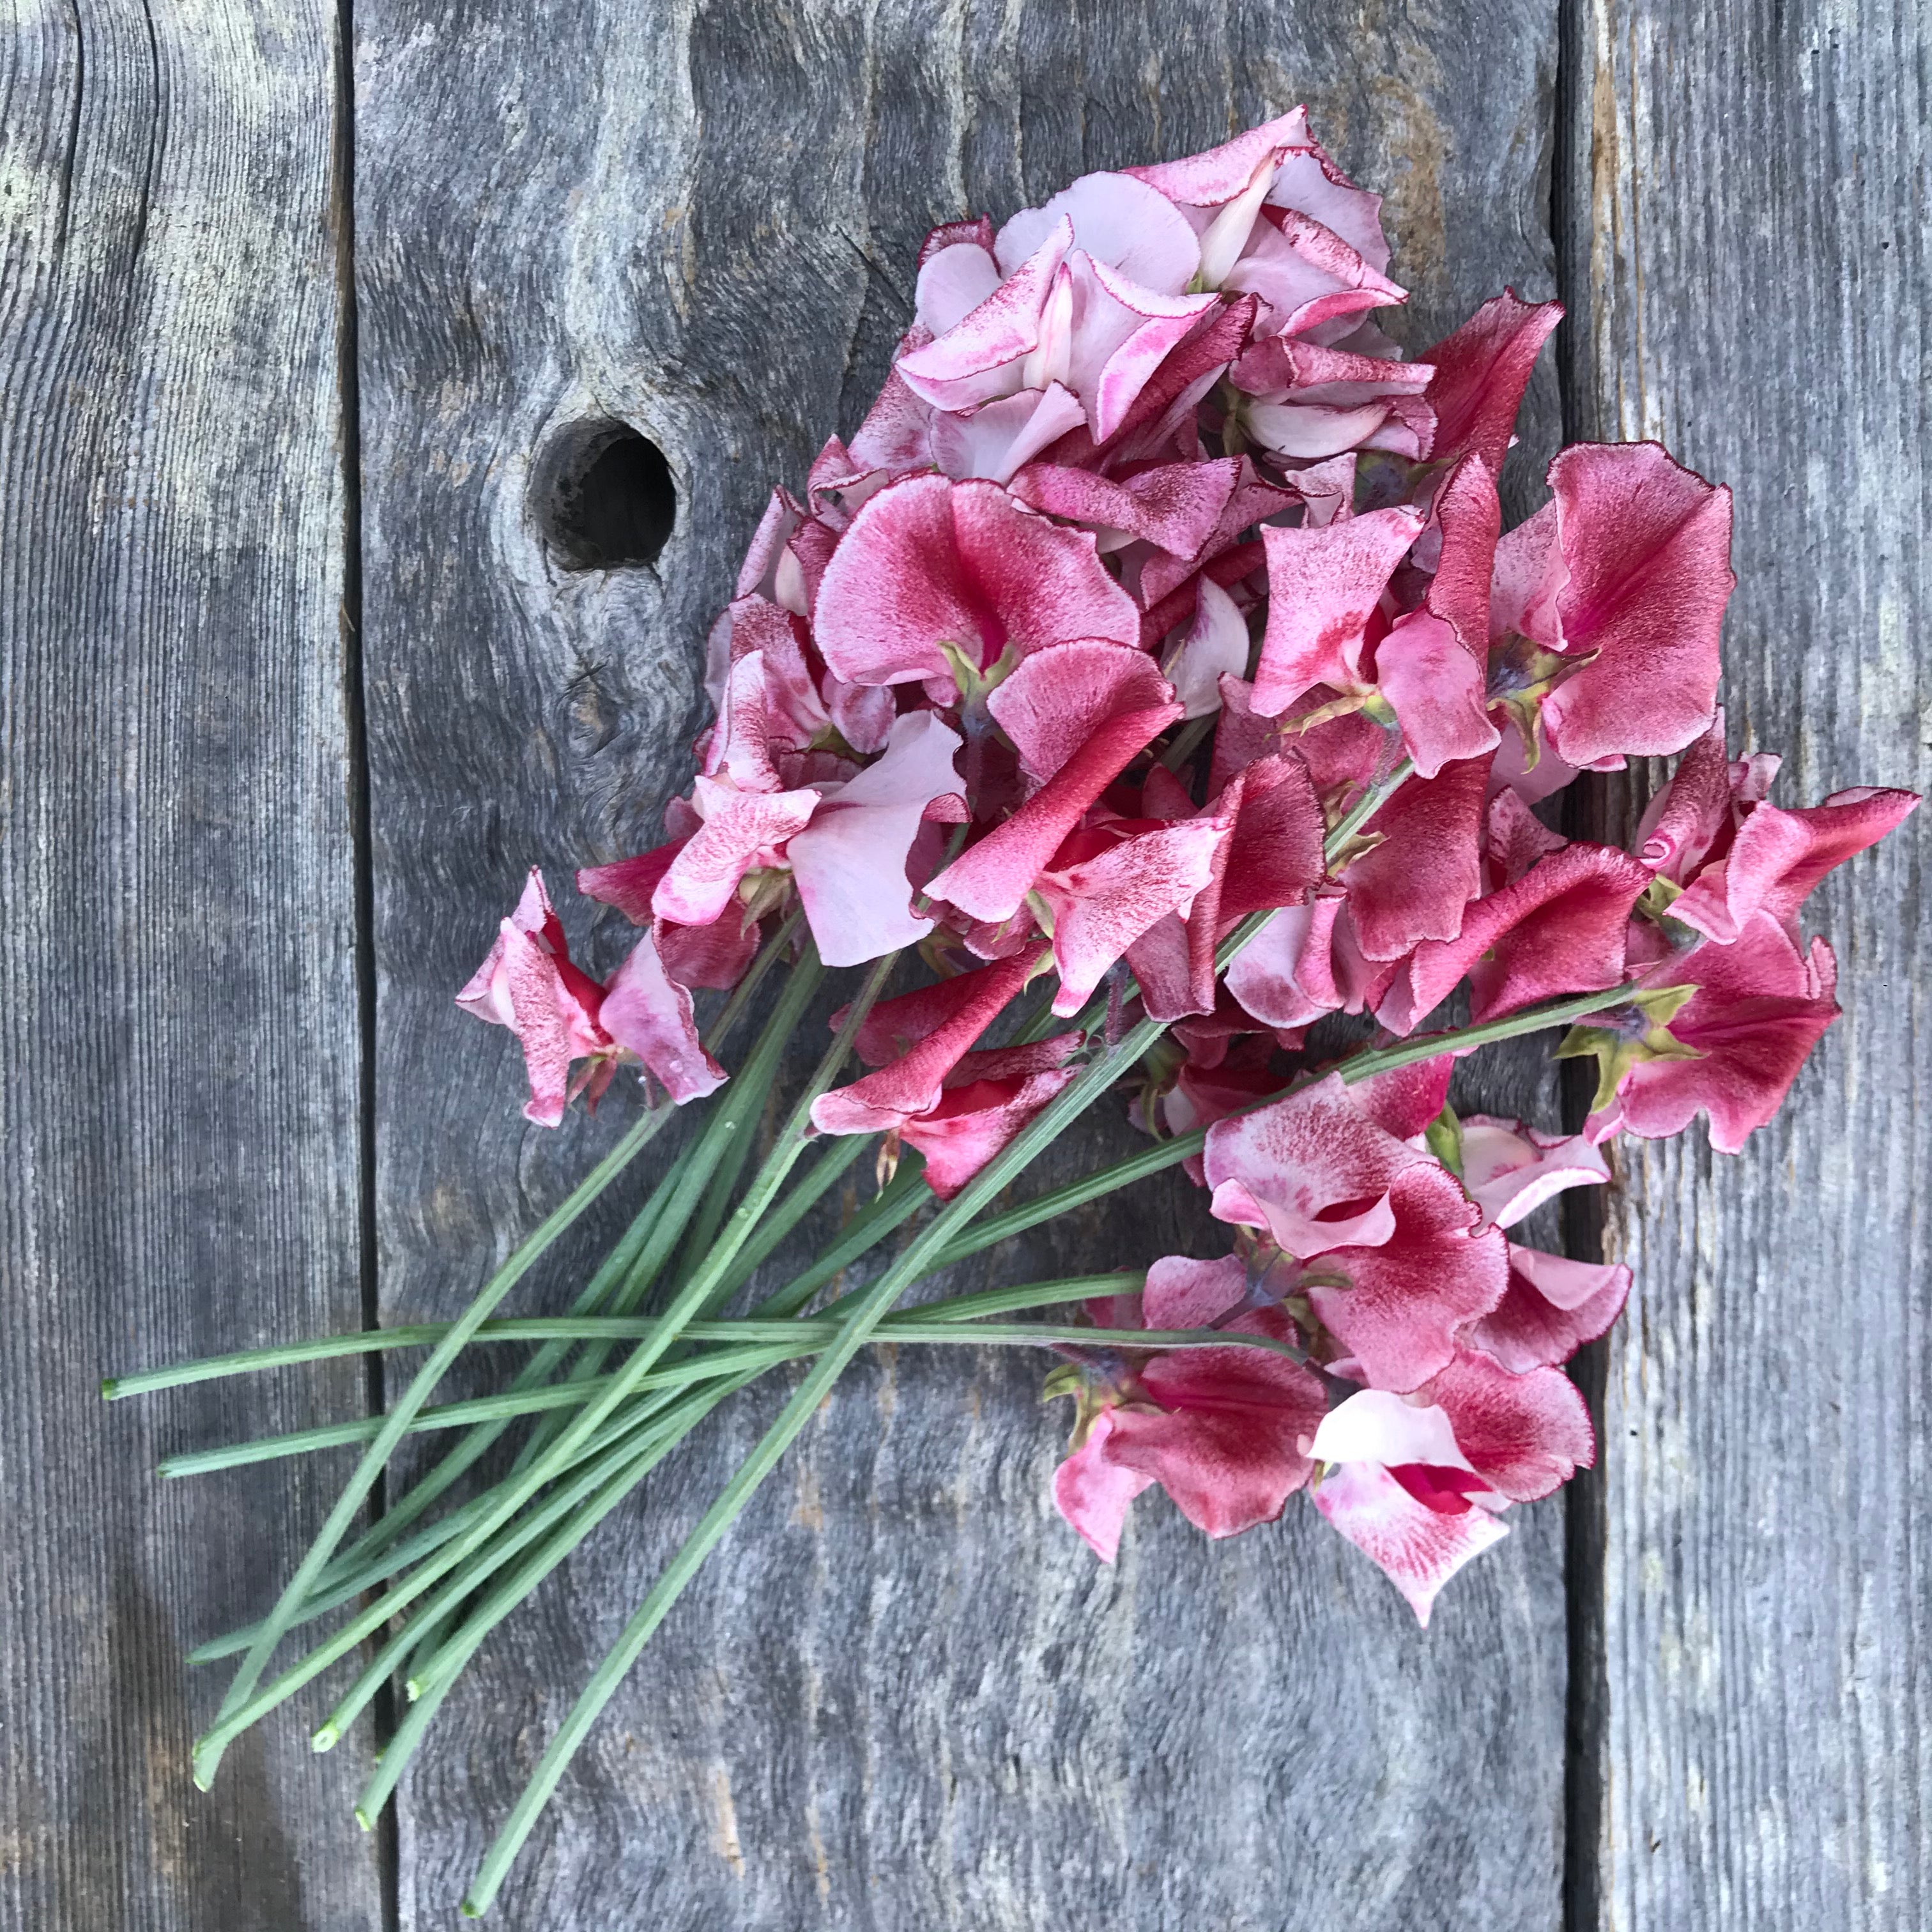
x=1753 y=260
x=902 y=1695
x=178 y=1005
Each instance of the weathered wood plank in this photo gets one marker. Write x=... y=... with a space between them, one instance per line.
x=902 y=1694
x=1753 y=265
x=179 y=1107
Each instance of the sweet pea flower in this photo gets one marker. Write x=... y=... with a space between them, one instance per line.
x=1224 y=1431
x=986 y=1099
x=915 y=1042
x=1561 y=928
x=560 y=1015
x=1394 y=1257
x=1552 y=1305
x=1077 y=713
x=1088 y=294
x=1416 y=1484
x=1479 y=374
x=1757 y=858
x=1721 y=1030
x=936 y=579
x=1277 y=218
x=1620 y=583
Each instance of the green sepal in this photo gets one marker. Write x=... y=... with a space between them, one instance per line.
x=1617 y=1050
x=1444 y=1135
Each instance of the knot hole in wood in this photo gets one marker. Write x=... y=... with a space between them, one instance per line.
x=603 y=496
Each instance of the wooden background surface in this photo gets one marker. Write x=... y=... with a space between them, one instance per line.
x=293 y=306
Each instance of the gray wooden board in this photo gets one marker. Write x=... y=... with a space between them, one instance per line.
x=179 y=1112
x=902 y=1694
x=1753 y=266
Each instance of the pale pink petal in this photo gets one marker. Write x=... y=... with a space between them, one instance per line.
x=1206 y=180
x=980 y=356
x=953 y=281
x=1509 y=1174
x=1117 y=221
x=1418 y=1548
x=1216 y=644
x=850 y=861
x=1001 y=436
x=1285 y=975
x=1374 y=1426
x=648 y=1013
x=1304 y=432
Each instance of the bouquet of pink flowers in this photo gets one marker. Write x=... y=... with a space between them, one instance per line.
x=1147 y=696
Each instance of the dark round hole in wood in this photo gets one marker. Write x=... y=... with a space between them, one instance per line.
x=604 y=497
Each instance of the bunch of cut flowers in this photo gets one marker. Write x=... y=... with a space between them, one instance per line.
x=1148 y=680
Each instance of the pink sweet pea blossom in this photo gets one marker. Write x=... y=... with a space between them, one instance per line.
x=1077 y=712
x=1325 y=585
x=1398 y=1486
x=1480 y=374
x=1223 y=1431
x=1624 y=577
x=1415 y=1484
x=928 y=563
x=1731 y=1049
x=1552 y=1306
x=983 y=1103
x=1433 y=666
x=1395 y=1259
x=560 y=1015
x=1560 y=928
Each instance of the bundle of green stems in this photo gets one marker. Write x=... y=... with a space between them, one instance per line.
x=646 y=1352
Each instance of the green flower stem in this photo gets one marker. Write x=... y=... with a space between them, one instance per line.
x=571 y=1393
x=802 y=984
x=600 y=1328
x=617 y=1267
x=764 y=1345
x=798 y=1201
x=1092 y=1082
x=430 y=1679
x=957 y=1308
x=240 y=1710
x=398 y=1420
x=612 y=1475
x=616 y=1275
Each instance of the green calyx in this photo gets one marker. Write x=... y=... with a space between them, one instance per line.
x=1639 y=1031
